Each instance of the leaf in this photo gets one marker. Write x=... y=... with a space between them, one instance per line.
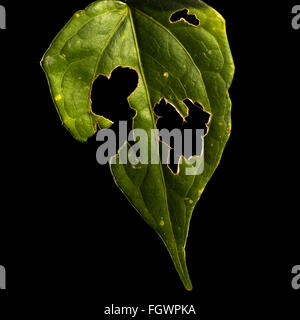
x=174 y=61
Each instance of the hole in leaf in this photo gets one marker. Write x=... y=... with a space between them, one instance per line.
x=109 y=97
x=170 y=119
x=184 y=15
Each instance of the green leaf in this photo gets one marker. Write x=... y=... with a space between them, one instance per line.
x=174 y=61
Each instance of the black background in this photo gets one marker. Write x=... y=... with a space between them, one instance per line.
x=68 y=232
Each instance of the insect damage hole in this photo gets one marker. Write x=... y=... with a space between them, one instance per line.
x=169 y=118
x=185 y=16
x=109 y=97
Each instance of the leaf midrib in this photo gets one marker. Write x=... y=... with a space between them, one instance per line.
x=154 y=126
x=148 y=98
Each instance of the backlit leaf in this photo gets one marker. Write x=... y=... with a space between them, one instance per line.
x=174 y=60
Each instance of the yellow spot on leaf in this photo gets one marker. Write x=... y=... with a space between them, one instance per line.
x=77 y=15
x=191 y=201
x=58 y=98
x=166 y=75
x=162 y=223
